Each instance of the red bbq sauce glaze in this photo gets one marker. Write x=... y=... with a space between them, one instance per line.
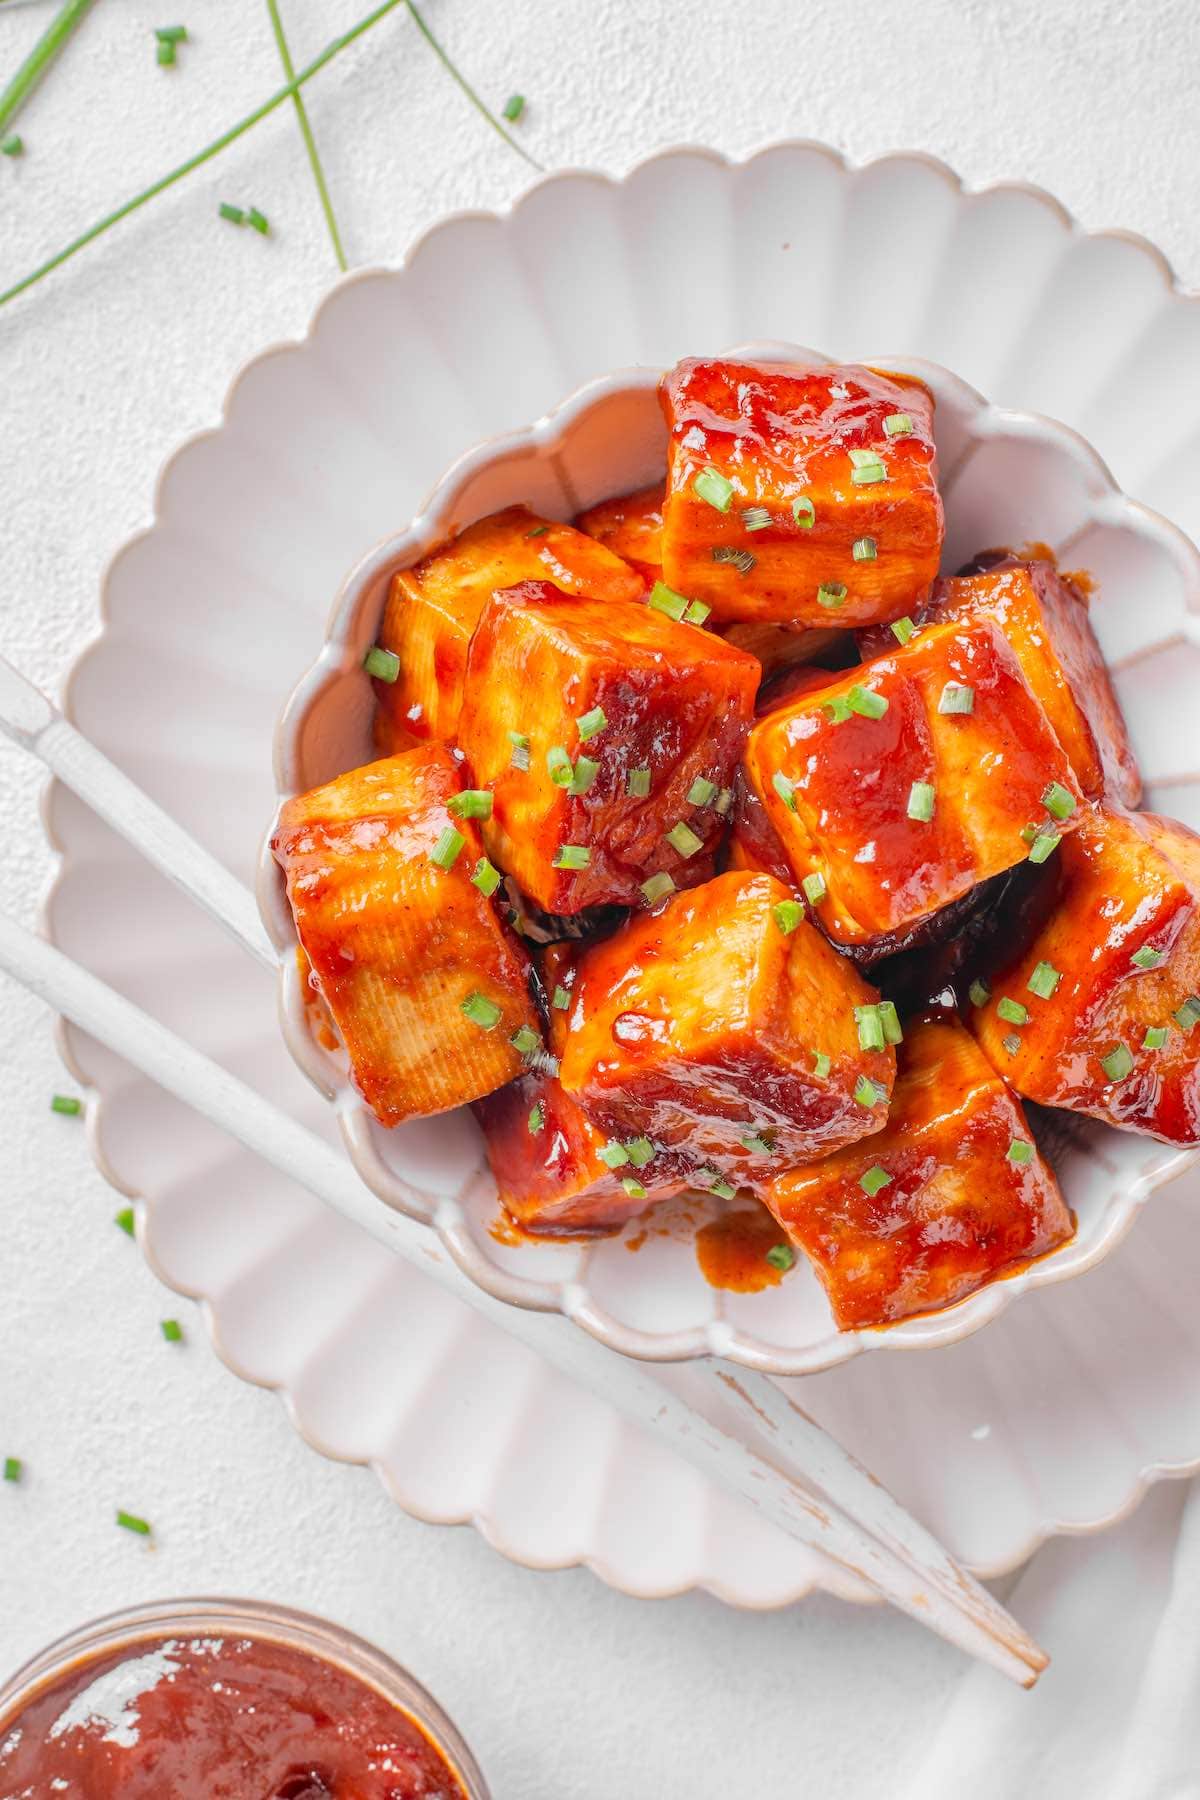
x=732 y=1251
x=217 y=1718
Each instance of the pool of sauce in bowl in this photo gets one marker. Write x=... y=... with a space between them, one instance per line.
x=732 y=1250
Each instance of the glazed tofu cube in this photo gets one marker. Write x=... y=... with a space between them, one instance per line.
x=607 y=733
x=425 y=984
x=948 y=1195
x=631 y=527
x=807 y=496
x=1101 y=1014
x=1045 y=619
x=724 y=1027
x=909 y=781
x=433 y=608
x=781 y=647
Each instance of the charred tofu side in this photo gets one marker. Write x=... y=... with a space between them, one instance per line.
x=948 y=1195
x=782 y=647
x=433 y=608
x=609 y=735
x=426 y=985
x=630 y=525
x=904 y=784
x=725 y=1028
x=807 y=496
x=1045 y=620
x=1101 y=1013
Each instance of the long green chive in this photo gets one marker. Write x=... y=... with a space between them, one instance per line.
x=306 y=133
x=665 y=600
x=804 y=512
x=814 y=888
x=12 y=145
x=1155 y=1038
x=757 y=1144
x=1044 y=844
x=560 y=999
x=481 y=1011
x=472 y=803
x=657 y=888
x=889 y=1018
x=922 y=797
x=821 y=1064
x=864 y=549
x=641 y=1151
x=831 y=595
x=898 y=425
x=742 y=560
x=257 y=220
x=514 y=106
x=866 y=702
x=536 y=1119
x=446 y=851
x=66 y=1103
x=787 y=914
x=696 y=612
x=902 y=629
x=519 y=754
x=1020 y=1151
x=124 y=1220
x=1043 y=981
x=1146 y=958
x=714 y=488
x=1118 y=1063
x=637 y=783
x=614 y=1154
x=1189 y=1013
x=781 y=1256
x=785 y=789
x=486 y=877
x=583 y=776
x=1058 y=800
x=837 y=710
x=723 y=802
x=866 y=1093
x=12 y=1468
x=383 y=664
x=979 y=993
x=874 y=1181
x=558 y=766
x=591 y=723
x=957 y=698
x=633 y=1187
x=755 y=518
x=131 y=1522
x=1012 y=1011
x=572 y=856
x=172 y=1331
x=870 y=1027
x=237 y=216
x=701 y=791
x=1011 y=1043
x=681 y=837
x=525 y=1041
x=40 y=58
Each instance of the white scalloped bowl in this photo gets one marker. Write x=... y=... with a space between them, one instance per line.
x=1007 y=478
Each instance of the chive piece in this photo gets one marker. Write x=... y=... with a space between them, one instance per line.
x=922 y=796
x=821 y=1064
x=874 y=1180
x=1146 y=958
x=1044 y=844
x=536 y=1119
x=898 y=425
x=383 y=664
x=723 y=1190
x=235 y=214
x=12 y=145
x=870 y=1027
x=131 y=1522
x=781 y=1256
x=866 y=702
x=804 y=512
x=657 y=888
x=902 y=629
x=519 y=755
x=12 y=1468
x=837 y=710
x=1020 y=1151
x=164 y=53
x=889 y=1018
x=446 y=851
x=862 y=458
x=785 y=789
x=1189 y=1013
x=572 y=856
x=665 y=600
x=514 y=106
x=681 y=837
x=633 y=1187
x=864 y=549
x=525 y=1041
x=1044 y=980
x=559 y=766
x=258 y=220
x=1118 y=1063
x=538 y=531
x=560 y=999
x=124 y=1219
x=585 y=773
x=472 y=803
x=787 y=914
x=637 y=783
x=696 y=612
x=486 y=877
x=172 y=1331
x=866 y=1093
x=814 y=888
x=591 y=723
x=757 y=1144
x=1012 y=1011
x=66 y=1103
x=723 y=802
x=979 y=993
x=481 y=1011
x=613 y=1154
x=701 y=791
x=831 y=595
x=710 y=485
x=742 y=560
x=957 y=698
x=865 y=474
x=1011 y=1043
x=171 y=34
x=1029 y=834
x=755 y=518
x=1058 y=800
x=641 y=1151
x=1155 y=1038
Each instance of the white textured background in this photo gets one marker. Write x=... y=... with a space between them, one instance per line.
x=566 y=1690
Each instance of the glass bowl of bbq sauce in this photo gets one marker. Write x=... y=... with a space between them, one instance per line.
x=225 y=1700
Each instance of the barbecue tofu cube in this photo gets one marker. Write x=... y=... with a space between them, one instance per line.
x=425 y=983
x=1045 y=619
x=1101 y=1013
x=723 y=1027
x=803 y=495
x=911 y=780
x=631 y=527
x=948 y=1195
x=607 y=733
x=433 y=608
x=780 y=647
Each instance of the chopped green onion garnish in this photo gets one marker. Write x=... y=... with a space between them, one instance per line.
x=723 y=1190
x=781 y=1256
x=383 y=664
x=171 y=34
x=258 y=221
x=561 y=999
x=538 y=531
x=1012 y=1011
x=131 y=1522
x=874 y=1180
x=657 y=888
x=957 y=698
x=559 y=767
x=572 y=856
x=696 y=612
x=870 y=1027
x=590 y=724
x=864 y=549
x=979 y=993
x=715 y=488
x=1189 y=1013
x=681 y=837
x=486 y=877
x=585 y=773
x=525 y=1041
x=831 y=595
x=537 y=1118
x=701 y=791
x=866 y=1093
x=1029 y=834
x=864 y=474
x=757 y=1144
x=867 y=702
x=862 y=459
x=12 y=1468
x=1146 y=958
x=637 y=783
x=814 y=888
x=164 y=53
x=665 y=600
x=1043 y=845
x=1019 y=1151
x=124 y=1220
x=12 y=145
x=902 y=629
x=837 y=710
x=514 y=106
x=519 y=758
x=481 y=1011
x=172 y=1330
x=890 y=1020
x=614 y=1154
x=742 y=560
x=446 y=851
x=641 y=1151
x=922 y=796
x=1043 y=981
x=756 y=518
x=723 y=802
x=633 y=1187
x=66 y=1103
x=785 y=789
x=821 y=1064
x=1011 y=1043
x=472 y=803
x=1058 y=800
x=235 y=214
x=787 y=914
x=804 y=512
x=1155 y=1038
x=898 y=425
x=1118 y=1063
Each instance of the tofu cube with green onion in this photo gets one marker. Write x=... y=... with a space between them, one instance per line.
x=393 y=901
x=607 y=732
x=1100 y=1012
x=723 y=1027
x=901 y=786
x=950 y=1194
x=800 y=495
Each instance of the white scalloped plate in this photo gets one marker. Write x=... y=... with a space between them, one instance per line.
x=1056 y=1416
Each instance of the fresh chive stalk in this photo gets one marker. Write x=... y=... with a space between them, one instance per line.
x=383 y=664
x=572 y=856
x=682 y=838
x=481 y=1011
x=874 y=1181
x=787 y=914
x=486 y=877
x=1118 y=1063
x=1044 y=980
x=472 y=803
x=66 y=1103
x=781 y=1256
x=902 y=629
x=449 y=847
x=657 y=888
x=814 y=888
x=1020 y=1151
x=637 y=783
x=866 y=702
x=713 y=488
x=922 y=798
